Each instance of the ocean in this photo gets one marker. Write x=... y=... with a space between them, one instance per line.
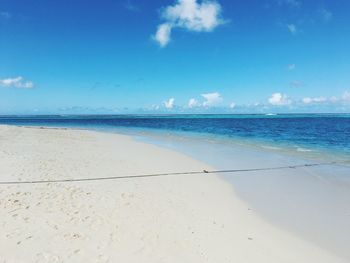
x=308 y=133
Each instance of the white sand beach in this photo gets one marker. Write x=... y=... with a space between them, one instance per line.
x=182 y=218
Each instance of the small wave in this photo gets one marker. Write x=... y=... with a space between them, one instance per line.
x=299 y=149
x=270 y=114
x=270 y=147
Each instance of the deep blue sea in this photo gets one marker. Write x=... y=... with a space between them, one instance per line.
x=303 y=132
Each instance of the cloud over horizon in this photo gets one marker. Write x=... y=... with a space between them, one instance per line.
x=211 y=99
x=279 y=99
x=169 y=104
x=191 y=15
x=192 y=103
x=309 y=100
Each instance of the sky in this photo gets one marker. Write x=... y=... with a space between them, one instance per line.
x=174 y=56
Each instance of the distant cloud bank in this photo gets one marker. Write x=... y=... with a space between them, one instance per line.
x=276 y=103
x=279 y=99
x=215 y=102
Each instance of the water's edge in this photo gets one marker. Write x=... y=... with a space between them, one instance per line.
x=312 y=203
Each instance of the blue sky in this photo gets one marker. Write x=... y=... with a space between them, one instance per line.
x=176 y=56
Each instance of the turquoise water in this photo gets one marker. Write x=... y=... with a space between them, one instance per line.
x=318 y=133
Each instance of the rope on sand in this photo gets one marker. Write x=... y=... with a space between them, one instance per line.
x=164 y=174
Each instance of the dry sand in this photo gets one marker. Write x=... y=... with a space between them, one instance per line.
x=185 y=218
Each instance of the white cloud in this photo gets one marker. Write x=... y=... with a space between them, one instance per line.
x=169 y=104
x=17 y=82
x=291 y=66
x=192 y=103
x=319 y=99
x=211 y=99
x=309 y=100
x=279 y=99
x=345 y=98
x=194 y=16
x=232 y=105
x=190 y=15
x=162 y=35
x=292 y=28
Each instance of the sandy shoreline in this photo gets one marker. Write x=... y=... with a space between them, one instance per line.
x=196 y=218
x=311 y=202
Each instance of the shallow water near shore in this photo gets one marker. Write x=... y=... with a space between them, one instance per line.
x=309 y=133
